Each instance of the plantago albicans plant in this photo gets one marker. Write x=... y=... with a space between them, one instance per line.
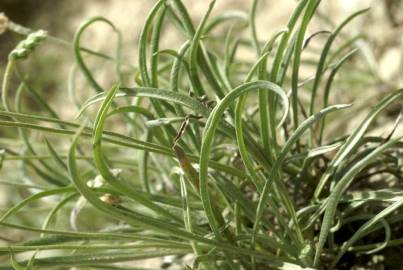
x=200 y=152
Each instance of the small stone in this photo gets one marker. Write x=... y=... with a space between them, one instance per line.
x=3 y=23
x=110 y=199
x=390 y=63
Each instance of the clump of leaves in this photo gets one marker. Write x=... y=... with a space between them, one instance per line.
x=203 y=152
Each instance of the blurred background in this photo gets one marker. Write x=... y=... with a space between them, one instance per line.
x=379 y=37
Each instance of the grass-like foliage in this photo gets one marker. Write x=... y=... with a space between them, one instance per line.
x=221 y=148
